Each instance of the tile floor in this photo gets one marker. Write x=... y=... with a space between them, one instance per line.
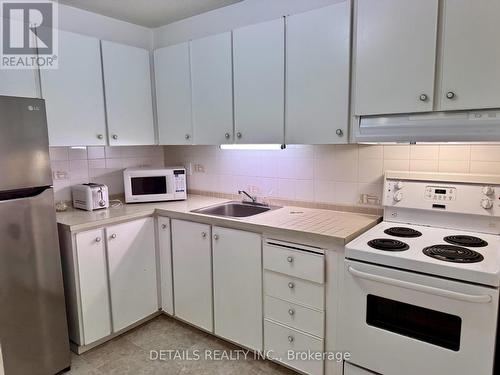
x=129 y=354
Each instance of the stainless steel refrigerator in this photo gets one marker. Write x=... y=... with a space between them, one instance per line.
x=33 y=329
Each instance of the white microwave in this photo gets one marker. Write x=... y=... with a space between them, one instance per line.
x=154 y=184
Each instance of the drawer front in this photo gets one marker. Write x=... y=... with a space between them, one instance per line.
x=295 y=316
x=296 y=263
x=279 y=340
x=294 y=290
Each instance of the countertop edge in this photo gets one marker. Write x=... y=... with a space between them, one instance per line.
x=264 y=229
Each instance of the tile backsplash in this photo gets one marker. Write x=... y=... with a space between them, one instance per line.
x=76 y=165
x=343 y=174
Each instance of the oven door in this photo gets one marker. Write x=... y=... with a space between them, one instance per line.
x=396 y=322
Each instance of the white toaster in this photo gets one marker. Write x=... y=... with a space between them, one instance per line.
x=90 y=196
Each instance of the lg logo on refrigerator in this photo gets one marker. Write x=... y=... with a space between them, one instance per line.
x=29 y=34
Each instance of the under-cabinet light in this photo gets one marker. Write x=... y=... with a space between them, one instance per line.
x=253 y=147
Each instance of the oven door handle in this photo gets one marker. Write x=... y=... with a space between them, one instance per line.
x=421 y=288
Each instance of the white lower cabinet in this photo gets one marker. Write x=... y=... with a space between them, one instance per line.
x=294 y=300
x=110 y=279
x=93 y=281
x=237 y=260
x=287 y=345
x=132 y=271
x=165 y=256
x=192 y=273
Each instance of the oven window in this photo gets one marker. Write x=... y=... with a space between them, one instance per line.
x=433 y=327
x=149 y=185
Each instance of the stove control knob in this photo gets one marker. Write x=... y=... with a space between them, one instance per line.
x=399 y=185
x=486 y=203
x=488 y=190
x=398 y=196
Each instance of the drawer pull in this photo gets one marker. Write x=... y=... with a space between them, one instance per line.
x=98 y=239
x=113 y=235
x=291 y=285
x=290 y=339
x=291 y=312
x=289 y=259
x=164 y=226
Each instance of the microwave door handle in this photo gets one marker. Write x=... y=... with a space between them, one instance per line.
x=420 y=288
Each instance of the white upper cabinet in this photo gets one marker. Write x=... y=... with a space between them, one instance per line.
x=127 y=85
x=317 y=86
x=471 y=55
x=19 y=83
x=73 y=93
x=173 y=94
x=394 y=56
x=212 y=89
x=258 y=53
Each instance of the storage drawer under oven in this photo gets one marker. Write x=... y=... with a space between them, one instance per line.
x=396 y=319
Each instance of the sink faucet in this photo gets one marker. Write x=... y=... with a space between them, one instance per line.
x=254 y=199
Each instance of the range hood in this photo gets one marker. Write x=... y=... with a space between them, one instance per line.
x=463 y=126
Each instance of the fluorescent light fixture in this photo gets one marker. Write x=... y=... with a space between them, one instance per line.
x=253 y=147
x=78 y=147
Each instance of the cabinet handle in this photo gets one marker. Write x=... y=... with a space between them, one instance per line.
x=450 y=94
x=113 y=235
x=339 y=132
x=115 y=136
x=98 y=239
x=204 y=234
x=187 y=136
x=216 y=237
x=239 y=135
x=164 y=226
x=291 y=285
x=100 y=136
x=423 y=97
x=290 y=339
x=291 y=312
x=227 y=135
x=289 y=259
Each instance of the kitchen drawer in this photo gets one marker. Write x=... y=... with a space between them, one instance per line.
x=291 y=260
x=278 y=340
x=295 y=316
x=294 y=290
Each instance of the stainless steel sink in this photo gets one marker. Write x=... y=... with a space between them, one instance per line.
x=235 y=209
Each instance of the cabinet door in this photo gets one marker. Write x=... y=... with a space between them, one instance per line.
x=471 y=55
x=212 y=76
x=395 y=54
x=173 y=94
x=93 y=281
x=192 y=270
x=73 y=93
x=19 y=83
x=318 y=47
x=165 y=252
x=238 y=286
x=127 y=85
x=259 y=86
x=132 y=271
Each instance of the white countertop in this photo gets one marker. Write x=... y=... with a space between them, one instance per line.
x=333 y=226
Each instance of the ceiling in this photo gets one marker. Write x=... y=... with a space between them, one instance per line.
x=149 y=13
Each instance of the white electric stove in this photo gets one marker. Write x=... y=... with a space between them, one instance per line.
x=421 y=289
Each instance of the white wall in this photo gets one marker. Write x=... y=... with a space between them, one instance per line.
x=77 y=165
x=102 y=27
x=233 y=16
x=324 y=174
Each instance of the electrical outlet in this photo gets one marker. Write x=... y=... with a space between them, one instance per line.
x=199 y=168
x=59 y=175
